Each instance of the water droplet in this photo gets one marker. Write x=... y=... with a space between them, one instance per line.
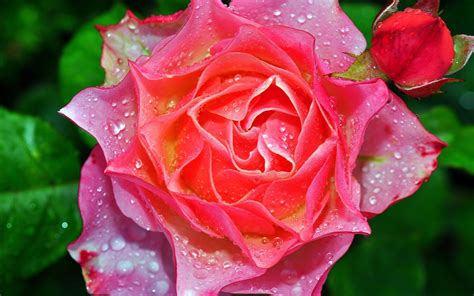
x=160 y=288
x=116 y=126
x=301 y=19
x=104 y=247
x=64 y=225
x=376 y=190
x=124 y=267
x=277 y=12
x=397 y=155
x=138 y=163
x=190 y=293
x=153 y=266
x=226 y=264
x=117 y=243
x=372 y=200
x=277 y=242
x=329 y=257
x=297 y=291
x=132 y=26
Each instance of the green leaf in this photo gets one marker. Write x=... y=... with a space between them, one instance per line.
x=79 y=66
x=378 y=266
x=463 y=47
x=35 y=227
x=38 y=189
x=419 y=219
x=363 y=68
x=442 y=121
x=169 y=7
x=460 y=152
x=33 y=154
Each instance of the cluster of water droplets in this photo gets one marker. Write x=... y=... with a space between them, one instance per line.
x=205 y=265
x=123 y=249
x=400 y=166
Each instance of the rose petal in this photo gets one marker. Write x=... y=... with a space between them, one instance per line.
x=301 y=273
x=132 y=38
x=427 y=89
x=102 y=113
x=117 y=256
x=351 y=106
x=284 y=197
x=335 y=34
x=254 y=41
x=192 y=44
x=398 y=155
x=204 y=264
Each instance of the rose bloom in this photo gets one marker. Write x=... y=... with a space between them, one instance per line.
x=228 y=159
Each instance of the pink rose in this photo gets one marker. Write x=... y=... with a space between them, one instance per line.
x=228 y=160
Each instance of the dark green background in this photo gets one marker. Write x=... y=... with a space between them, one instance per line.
x=50 y=50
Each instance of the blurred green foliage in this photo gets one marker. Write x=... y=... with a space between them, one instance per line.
x=50 y=50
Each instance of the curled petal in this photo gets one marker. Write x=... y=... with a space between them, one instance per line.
x=204 y=264
x=116 y=254
x=335 y=34
x=430 y=6
x=301 y=273
x=192 y=44
x=398 y=155
x=132 y=38
x=108 y=114
x=427 y=89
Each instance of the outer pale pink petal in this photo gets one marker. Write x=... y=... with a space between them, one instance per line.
x=117 y=256
x=301 y=273
x=398 y=155
x=132 y=38
x=108 y=114
x=335 y=34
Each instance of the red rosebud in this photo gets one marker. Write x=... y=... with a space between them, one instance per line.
x=413 y=48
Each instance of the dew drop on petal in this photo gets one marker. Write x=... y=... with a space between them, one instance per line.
x=138 y=164
x=190 y=293
x=124 y=267
x=372 y=200
x=160 y=288
x=153 y=266
x=117 y=243
x=301 y=19
x=297 y=291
